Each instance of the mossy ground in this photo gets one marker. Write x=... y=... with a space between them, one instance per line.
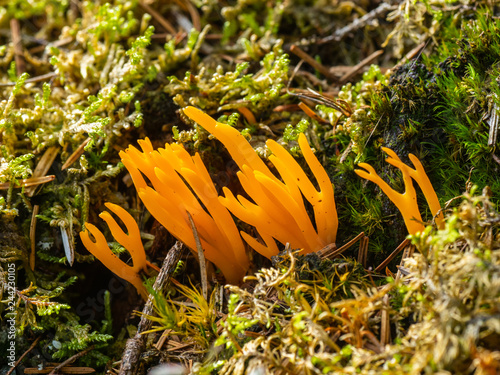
x=90 y=78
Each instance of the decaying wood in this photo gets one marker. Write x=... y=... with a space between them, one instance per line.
x=135 y=345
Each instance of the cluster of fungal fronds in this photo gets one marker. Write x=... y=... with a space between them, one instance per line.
x=278 y=211
x=407 y=201
x=178 y=185
x=131 y=241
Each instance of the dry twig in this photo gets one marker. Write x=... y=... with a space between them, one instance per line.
x=201 y=258
x=401 y=246
x=314 y=63
x=70 y=360
x=135 y=345
x=385 y=329
x=356 y=68
x=75 y=155
x=195 y=17
x=39 y=78
x=33 y=344
x=358 y=23
x=330 y=252
x=36 y=208
x=28 y=182
x=43 y=167
x=158 y=17
x=71 y=370
x=17 y=42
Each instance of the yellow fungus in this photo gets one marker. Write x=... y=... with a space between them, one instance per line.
x=131 y=241
x=180 y=183
x=407 y=201
x=278 y=211
x=171 y=183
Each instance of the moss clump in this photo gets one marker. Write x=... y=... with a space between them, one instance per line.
x=311 y=316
